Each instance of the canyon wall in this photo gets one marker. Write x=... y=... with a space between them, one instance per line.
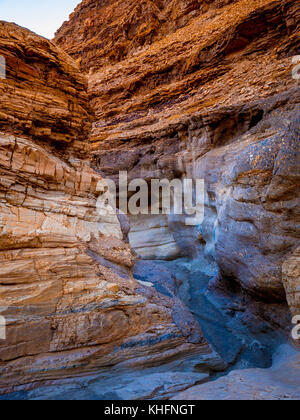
x=202 y=89
x=161 y=89
x=67 y=291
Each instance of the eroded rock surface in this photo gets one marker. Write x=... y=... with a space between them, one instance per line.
x=281 y=382
x=44 y=96
x=291 y=278
x=207 y=93
x=67 y=292
x=158 y=382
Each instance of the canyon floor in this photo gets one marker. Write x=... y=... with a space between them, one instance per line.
x=192 y=375
x=180 y=380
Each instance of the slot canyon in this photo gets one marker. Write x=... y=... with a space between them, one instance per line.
x=114 y=306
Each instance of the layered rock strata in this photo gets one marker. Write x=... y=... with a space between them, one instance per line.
x=200 y=89
x=208 y=92
x=281 y=382
x=67 y=292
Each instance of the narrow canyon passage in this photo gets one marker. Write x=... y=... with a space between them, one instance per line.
x=106 y=303
x=236 y=344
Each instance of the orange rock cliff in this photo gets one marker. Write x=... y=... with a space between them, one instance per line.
x=203 y=88
x=162 y=89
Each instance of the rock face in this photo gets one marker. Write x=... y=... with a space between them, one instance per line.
x=281 y=382
x=44 y=96
x=67 y=292
x=188 y=85
x=159 y=382
x=207 y=92
x=291 y=278
x=167 y=89
x=107 y=32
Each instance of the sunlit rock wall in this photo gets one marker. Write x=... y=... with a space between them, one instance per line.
x=206 y=92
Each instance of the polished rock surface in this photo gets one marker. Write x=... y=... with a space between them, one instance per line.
x=280 y=382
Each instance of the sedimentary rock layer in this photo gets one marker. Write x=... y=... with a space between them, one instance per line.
x=224 y=57
x=202 y=89
x=291 y=279
x=43 y=96
x=208 y=92
x=67 y=292
x=281 y=382
x=107 y=32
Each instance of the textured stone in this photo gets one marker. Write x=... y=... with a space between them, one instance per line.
x=160 y=382
x=67 y=292
x=182 y=88
x=151 y=238
x=281 y=382
x=207 y=93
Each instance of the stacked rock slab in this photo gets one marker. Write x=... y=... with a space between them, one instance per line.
x=67 y=293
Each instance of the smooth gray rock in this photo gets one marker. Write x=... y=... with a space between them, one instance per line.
x=280 y=382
